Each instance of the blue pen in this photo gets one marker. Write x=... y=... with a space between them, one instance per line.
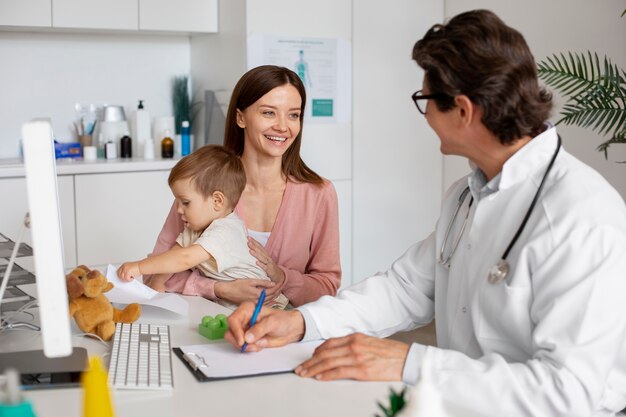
x=259 y=304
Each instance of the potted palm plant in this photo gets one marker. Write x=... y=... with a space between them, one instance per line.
x=595 y=93
x=185 y=109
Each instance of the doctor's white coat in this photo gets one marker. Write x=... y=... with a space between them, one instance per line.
x=549 y=340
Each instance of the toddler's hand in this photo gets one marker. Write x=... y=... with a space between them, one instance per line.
x=128 y=271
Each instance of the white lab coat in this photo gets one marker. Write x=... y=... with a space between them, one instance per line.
x=547 y=341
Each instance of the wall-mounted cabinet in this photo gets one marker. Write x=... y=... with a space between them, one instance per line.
x=178 y=16
x=30 y=13
x=183 y=16
x=95 y=14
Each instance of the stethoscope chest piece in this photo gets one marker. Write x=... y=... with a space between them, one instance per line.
x=498 y=272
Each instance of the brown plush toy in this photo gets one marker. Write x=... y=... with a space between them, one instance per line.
x=92 y=311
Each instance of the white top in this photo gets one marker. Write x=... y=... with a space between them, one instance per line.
x=226 y=240
x=261 y=237
x=550 y=339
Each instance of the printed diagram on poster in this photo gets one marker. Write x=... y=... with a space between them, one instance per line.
x=324 y=65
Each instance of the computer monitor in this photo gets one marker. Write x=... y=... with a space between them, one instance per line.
x=58 y=365
x=45 y=226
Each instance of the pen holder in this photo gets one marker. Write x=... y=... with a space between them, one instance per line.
x=213 y=328
x=85 y=140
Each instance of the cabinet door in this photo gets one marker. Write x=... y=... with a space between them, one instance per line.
x=26 y=13
x=95 y=14
x=178 y=15
x=15 y=206
x=119 y=215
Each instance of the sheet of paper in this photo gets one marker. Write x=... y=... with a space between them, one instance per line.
x=136 y=292
x=131 y=288
x=222 y=360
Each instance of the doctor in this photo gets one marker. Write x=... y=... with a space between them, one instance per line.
x=525 y=271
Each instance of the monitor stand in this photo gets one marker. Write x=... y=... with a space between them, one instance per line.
x=38 y=371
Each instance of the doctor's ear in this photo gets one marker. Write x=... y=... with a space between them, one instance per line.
x=466 y=109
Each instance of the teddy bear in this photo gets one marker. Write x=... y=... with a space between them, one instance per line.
x=92 y=311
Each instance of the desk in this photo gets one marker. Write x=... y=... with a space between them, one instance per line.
x=275 y=395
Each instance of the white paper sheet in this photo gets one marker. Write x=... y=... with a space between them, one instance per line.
x=126 y=292
x=222 y=360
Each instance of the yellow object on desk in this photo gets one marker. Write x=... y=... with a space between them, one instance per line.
x=96 y=395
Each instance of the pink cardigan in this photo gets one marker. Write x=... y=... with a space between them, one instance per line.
x=304 y=242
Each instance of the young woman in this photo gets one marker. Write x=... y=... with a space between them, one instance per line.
x=291 y=212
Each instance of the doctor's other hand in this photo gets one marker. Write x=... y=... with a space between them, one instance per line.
x=128 y=270
x=357 y=356
x=273 y=328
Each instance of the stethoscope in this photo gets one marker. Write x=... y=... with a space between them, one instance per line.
x=500 y=270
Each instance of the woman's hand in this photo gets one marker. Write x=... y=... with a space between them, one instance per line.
x=157 y=285
x=273 y=328
x=357 y=356
x=266 y=263
x=241 y=290
x=128 y=270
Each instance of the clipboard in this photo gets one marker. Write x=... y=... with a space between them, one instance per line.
x=221 y=361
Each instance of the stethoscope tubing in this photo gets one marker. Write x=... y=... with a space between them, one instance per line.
x=520 y=229
x=503 y=262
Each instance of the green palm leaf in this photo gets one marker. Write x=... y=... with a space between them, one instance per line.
x=595 y=92
x=396 y=403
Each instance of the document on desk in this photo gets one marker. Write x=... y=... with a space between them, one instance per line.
x=215 y=361
x=127 y=292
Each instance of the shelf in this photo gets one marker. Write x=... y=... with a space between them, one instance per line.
x=12 y=168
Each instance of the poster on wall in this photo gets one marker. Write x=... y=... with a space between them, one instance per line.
x=324 y=65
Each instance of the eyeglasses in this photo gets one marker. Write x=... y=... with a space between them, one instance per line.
x=417 y=96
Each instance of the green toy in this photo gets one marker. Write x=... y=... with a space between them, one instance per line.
x=213 y=328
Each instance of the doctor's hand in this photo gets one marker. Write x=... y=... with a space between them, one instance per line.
x=357 y=356
x=241 y=290
x=273 y=328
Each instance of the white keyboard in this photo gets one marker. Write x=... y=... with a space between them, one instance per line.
x=141 y=357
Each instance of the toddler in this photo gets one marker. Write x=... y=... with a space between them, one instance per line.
x=207 y=185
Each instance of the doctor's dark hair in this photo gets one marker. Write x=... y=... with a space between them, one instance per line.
x=212 y=168
x=253 y=85
x=476 y=54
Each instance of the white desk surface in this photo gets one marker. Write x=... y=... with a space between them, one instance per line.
x=276 y=395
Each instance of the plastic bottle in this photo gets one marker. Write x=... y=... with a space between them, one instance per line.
x=110 y=150
x=148 y=149
x=167 y=145
x=126 y=146
x=185 y=139
x=100 y=146
x=142 y=128
x=142 y=119
x=96 y=395
x=13 y=404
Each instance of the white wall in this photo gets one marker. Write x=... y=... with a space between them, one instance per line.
x=45 y=74
x=396 y=159
x=554 y=26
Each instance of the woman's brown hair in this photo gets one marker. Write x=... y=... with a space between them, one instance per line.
x=253 y=85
